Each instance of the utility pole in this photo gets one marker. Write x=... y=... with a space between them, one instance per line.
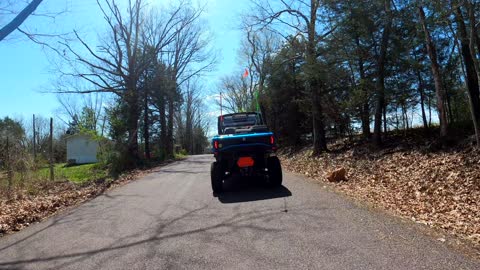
x=9 y=171
x=34 y=142
x=51 y=149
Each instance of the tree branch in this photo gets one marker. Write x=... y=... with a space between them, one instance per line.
x=19 y=19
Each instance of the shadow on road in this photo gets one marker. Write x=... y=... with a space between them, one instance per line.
x=198 y=161
x=245 y=190
x=159 y=235
x=176 y=171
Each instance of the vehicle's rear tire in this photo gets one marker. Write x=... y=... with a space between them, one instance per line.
x=274 y=171
x=216 y=175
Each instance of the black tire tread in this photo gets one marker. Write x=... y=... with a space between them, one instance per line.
x=216 y=177
x=274 y=171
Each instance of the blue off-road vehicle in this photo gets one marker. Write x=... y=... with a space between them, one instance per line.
x=244 y=146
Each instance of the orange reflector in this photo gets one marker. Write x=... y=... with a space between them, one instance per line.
x=245 y=162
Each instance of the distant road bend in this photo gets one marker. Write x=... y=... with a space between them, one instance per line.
x=170 y=220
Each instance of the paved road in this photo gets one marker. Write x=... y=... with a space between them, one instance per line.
x=170 y=220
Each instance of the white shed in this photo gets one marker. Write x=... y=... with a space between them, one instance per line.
x=81 y=149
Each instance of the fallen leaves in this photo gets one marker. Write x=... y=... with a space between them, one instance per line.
x=440 y=189
x=51 y=197
x=337 y=175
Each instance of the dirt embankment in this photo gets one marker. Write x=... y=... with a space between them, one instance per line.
x=440 y=189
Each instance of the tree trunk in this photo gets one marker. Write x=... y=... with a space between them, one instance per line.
x=366 y=120
x=132 y=127
x=473 y=35
x=365 y=109
x=163 y=126
x=34 y=143
x=261 y=104
x=377 y=139
x=397 y=121
x=169 y=142
x=146 y=125
x=472 y=78
x=189 y=127
x=440 y=93
x=449 y=106
x=9 y=169
x=448 y=103
x=429 y=111
x=190 y=113
x=474 y=39
x=51 y=161
x=405 y=112
x=422 y=100
x=385 y=130
x=319 y=140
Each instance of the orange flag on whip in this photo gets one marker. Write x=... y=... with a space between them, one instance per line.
x=245 y=74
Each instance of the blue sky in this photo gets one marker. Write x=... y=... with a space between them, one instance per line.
x=26 y=71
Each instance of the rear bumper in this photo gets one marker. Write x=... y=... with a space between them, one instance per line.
x=246 y=148
x=230 y=155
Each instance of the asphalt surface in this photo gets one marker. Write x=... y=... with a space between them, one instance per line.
x=170 y=220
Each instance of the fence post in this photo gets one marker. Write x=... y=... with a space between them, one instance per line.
x=34 y=142
x=51 y=150
x=9 y=171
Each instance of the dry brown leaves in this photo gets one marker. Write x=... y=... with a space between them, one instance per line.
x=51 y=197
x=440 y=190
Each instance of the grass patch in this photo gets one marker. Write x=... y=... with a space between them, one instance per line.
x=78 y=173
x=180 y=156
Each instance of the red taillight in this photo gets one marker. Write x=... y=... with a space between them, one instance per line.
x=272 y=140
x=215 y=144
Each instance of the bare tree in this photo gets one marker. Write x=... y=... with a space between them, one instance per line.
x=236 y=94
x=440 y=92
x=190 y=120
x=192 y=123
x=301 y=17
x=88 y=106
x=474 y=45
x=187 y=56
x=192 y=100
x=118 y=63
x=380 y=109
x=258 y=50
x=238 y=91
x=467 y=50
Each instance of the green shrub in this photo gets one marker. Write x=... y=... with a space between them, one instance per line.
x=183 y=152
